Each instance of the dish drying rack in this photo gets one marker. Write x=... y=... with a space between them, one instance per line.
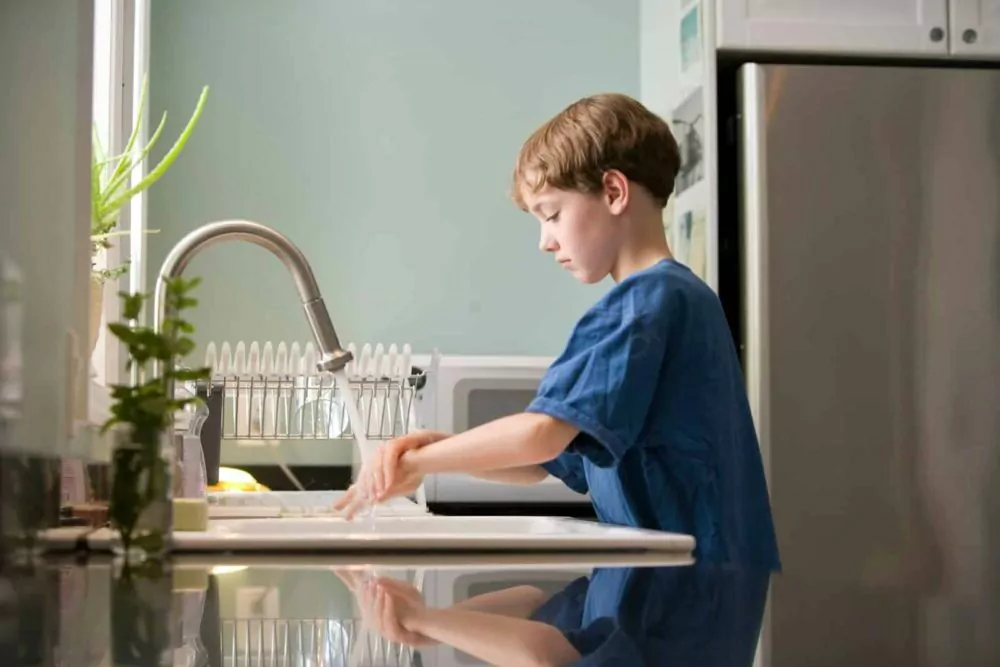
x=275 y=392
x=268 y=394
x=321 y=642
x=283 y=641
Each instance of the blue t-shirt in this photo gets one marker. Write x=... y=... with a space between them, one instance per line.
x=651 y=378
x=702 y=615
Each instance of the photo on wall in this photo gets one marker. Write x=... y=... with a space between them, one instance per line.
x=689 y=131
x=686 y=235
x=690 y=36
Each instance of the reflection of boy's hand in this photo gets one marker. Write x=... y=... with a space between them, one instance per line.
x=388 y=606
x=353 y=579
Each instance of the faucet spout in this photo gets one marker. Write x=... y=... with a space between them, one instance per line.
x=332 y=356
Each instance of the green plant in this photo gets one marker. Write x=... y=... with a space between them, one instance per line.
x=145 y=409
x=109 y=181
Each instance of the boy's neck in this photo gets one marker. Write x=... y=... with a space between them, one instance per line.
x=646 y=246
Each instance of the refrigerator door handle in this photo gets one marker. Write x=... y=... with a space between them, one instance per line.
x=752 y=156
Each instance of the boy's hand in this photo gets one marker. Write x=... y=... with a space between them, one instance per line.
x=388 y=469
x=392 y=472
x=386 y=475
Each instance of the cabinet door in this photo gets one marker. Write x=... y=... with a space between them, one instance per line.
x=890 y=27
x=975 y=28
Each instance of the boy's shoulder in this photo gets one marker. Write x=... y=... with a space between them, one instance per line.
x=662 y=288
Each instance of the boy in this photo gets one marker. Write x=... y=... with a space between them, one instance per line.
x=645 y=409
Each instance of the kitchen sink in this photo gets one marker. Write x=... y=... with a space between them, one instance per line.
x=426 y=533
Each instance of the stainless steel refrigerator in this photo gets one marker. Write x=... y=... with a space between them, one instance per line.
x=860 y=241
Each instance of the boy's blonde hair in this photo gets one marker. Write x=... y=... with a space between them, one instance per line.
x=608 y=131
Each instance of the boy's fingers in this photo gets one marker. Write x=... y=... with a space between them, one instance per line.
x=378 y=472
x=389 y=462
x=394 y=453
x=345 y=499
x=351 y=502
x=355 y=505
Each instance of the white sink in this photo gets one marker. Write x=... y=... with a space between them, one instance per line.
x=426 y=533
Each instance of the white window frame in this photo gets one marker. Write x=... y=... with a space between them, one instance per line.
x=121 y=57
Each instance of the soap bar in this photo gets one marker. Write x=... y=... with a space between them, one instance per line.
x=190 y=514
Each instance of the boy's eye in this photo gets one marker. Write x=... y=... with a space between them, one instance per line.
x=553 y=217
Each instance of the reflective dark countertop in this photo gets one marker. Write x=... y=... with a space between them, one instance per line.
x=470 y=610
x=466 y=610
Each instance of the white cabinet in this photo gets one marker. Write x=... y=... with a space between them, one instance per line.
x=877 y=27
x=975 y=28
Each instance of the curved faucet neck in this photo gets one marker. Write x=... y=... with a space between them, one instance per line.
x=332 y=356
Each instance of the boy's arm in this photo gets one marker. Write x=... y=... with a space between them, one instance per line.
x=523 y=475
x=493 y=638
x=516 y=602
x=516 y=441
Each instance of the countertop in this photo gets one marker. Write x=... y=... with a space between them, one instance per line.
x=588 y=609
x=313 y=610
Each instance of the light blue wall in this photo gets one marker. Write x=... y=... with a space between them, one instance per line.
x=379 y=136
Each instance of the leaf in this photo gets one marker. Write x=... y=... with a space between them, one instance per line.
x=171 y=155
x=185 y=346
x=131 y=164
x=133 y=305
x=191 y=374
x=122 y=332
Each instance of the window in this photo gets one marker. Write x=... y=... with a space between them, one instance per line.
x=120 y=59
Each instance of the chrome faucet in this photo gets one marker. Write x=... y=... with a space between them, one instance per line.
x=332 y=356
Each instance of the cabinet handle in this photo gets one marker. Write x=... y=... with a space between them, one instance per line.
x=937 y=34
x=969 y=36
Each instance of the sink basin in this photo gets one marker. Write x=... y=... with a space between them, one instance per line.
x=426 y=533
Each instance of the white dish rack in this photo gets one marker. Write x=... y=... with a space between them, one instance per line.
x=275 y=392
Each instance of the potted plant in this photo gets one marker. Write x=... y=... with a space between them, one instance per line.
x=143 y=413
x=110 y=191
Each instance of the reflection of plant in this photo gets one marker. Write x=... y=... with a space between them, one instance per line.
x=141 y=601
x=146 y=409
x=109 y=178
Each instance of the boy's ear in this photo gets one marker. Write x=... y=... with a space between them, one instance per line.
x=615 y=190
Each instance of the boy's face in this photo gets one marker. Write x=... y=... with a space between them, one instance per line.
x=579 y=229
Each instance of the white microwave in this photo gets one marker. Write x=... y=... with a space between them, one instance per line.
x=463 y=392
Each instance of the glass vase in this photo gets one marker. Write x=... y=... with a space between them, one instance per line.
x=141 y=505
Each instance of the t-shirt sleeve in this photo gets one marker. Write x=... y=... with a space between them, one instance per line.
x=568 y=467
x=604 y=381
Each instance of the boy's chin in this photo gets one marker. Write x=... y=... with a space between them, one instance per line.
x=588 y=277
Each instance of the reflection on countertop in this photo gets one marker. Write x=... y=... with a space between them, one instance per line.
x=445 y=610
x=461 y=610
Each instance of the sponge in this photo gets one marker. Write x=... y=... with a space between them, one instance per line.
x=190 y=514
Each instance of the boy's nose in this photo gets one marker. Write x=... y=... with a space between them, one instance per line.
x=547 y=244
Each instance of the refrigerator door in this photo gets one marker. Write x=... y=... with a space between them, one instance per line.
x=871 y=292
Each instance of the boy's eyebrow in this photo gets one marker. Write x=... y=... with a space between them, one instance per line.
x=537 y=207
